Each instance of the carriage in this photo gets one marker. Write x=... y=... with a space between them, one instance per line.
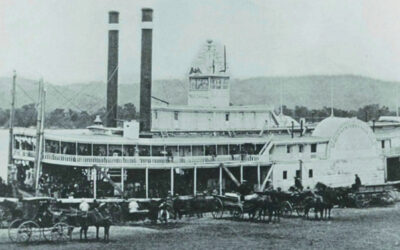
x=232 y=204
x=292 y=202
x=174 y=207
x=371 y=195
x=38 y=220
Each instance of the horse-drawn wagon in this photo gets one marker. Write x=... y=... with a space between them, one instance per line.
x=37 y=221
x=372 y=195
x=237 y=208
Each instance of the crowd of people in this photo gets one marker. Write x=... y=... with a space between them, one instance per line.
x=63 y=188
x=5 y=188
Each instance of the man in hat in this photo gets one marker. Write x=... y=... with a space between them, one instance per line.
x=357 y=183
x=244 y=189
x=297 y=184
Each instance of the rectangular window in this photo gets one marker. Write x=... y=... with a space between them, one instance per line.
x=227 y=117
x=225 y=83
x=218 y=83
x=284 y=175
x=212 y=84
x=301 y=148
x=383 y=144
x=192 y=84
x=155 y=115
x=288 y=149
x=176 y=115
x=313 y=148
x=310 y=173
x=298 y=174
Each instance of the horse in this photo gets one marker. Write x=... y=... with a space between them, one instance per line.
x=330 y=198
x=181 y=206
x=200 y=205
x=98 y=217
x=269 y=206
x=315 y=201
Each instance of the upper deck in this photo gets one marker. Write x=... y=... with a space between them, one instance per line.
x=83 y=149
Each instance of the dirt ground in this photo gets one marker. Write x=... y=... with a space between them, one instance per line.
x=372 y=228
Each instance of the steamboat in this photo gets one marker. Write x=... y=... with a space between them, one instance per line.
x=206 y=145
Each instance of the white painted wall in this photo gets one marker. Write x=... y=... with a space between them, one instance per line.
x=352 y=149
x=334 y=173
x=209 y=120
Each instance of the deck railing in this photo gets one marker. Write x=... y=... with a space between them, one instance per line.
x=139 y=160
x=298 y=156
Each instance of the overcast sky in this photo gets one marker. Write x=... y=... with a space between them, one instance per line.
x=65 y=41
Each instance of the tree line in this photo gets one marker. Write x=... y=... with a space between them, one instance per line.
x=26 y=115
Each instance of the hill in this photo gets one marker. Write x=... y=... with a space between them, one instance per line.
x=350 y=92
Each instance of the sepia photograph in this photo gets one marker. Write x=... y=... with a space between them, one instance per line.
x=201 y=124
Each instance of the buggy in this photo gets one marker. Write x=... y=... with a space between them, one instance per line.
x=38 y=220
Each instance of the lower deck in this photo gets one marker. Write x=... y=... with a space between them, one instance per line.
x=87 y=182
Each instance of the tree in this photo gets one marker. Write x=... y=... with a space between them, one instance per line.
x=26 y=115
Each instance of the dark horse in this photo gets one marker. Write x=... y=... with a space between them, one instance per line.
x=330 y=198
x=316 y=202
x=98 y=217
x=270 y=206
x=323 y=200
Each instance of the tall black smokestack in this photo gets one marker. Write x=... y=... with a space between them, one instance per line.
x=145 y=70
x=112 y=70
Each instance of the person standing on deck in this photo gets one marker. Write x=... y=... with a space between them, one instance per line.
x=357 y=183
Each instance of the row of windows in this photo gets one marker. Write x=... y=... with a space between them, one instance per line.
x=301 y=148
x=202 y=84
x=176 y=116
x=298 y=174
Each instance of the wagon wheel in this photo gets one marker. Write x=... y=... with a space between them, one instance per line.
x=218 y=209
x=59 y=232
x=13 y=229
x=287 y=209
x=360 y=203
x=28 y=231
x=2 y=216
x=237 y=213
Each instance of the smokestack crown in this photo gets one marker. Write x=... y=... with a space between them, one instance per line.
x=113 y=17
x=147 y=15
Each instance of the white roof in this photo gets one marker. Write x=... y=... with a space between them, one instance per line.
x=249 y=108
x=329 y=126
x=395 y=119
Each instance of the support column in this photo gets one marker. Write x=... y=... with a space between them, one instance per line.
x=147 y=182
x=204 y=153
x=258 y=175
x=122 y=179
x=220 y=180
x=94 y=183
x=172 y=181
x=194 y=180
x=241 y=173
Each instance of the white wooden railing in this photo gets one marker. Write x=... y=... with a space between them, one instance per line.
x=140 y=160
x=298 y=156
